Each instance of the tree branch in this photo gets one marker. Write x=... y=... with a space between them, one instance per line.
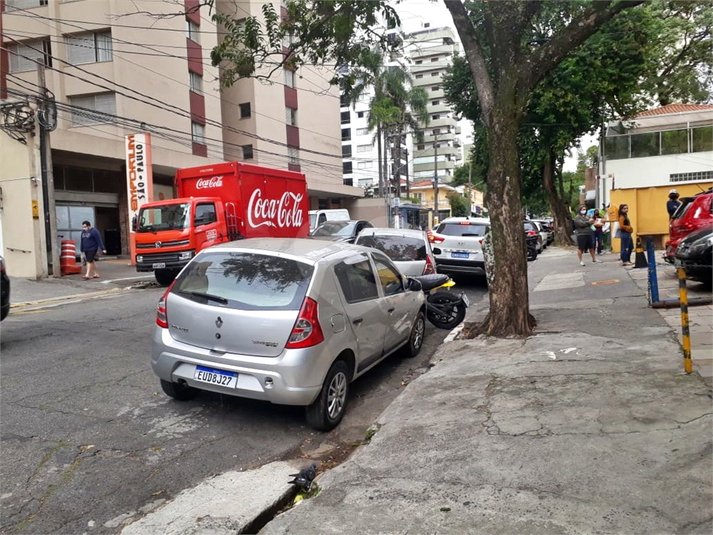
x=474 y=54
x=542 y=60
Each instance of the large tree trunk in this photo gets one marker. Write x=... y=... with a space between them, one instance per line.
x=560 y=214
x=508 y=291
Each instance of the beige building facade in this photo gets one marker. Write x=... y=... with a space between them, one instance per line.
x=112 y=70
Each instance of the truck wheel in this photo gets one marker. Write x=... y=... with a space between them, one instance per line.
x=328 y=409
x=165 y=276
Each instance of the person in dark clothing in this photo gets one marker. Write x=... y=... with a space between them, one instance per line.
x=91 y=244
x=598 y=233
x=583 y=227
x=673 y=203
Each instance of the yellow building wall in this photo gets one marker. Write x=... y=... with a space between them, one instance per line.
x=647 y=210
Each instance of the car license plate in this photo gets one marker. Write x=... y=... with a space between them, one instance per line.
x=465 y=300
x=158 y=265
x=216 y=377
x=459 y=255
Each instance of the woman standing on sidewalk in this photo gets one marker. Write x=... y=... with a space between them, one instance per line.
x=91 y=243
x=598 y=233
x=625 y=230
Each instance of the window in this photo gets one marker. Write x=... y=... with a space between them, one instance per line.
x=346 y=167
x=616 y=147
x=247 y=152
x=702 y=139
x=436 y=88
x=196 y=82
x=674 y=142
x=244 y=110
x=356 y=280
x=421 y=147
x=365 y=148
x=293 y=155
x=346 y=134
x=291 y=116
x=435 y=73
x=198 y=133
x=343 y=101
x=24 y=4
x=193 y=31
x=643 y=145
x=435 y=116
x=685 y=177
x=346 y=151
x=365 y=165
x=99 y=108
x=346 y=117
x=25 y=56
x=436 y=131
x=397 y=248
x=419 y=76
x=418 y=62
x=389 y=277
x=205 y=214
x=362 y=132
x=89 y=48
x=434 y=59
x=435 y=102
x=289 y=78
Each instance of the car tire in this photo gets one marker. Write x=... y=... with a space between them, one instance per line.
x=531 y=253
x=328 y=409
x=415 y=339
x=179 y=391
x=165 y=276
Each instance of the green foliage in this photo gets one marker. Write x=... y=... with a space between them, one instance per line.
x=460 y=207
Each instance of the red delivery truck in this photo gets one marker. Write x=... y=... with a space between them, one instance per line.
x=218 y=203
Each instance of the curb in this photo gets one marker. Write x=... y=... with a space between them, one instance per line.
x=66 y=297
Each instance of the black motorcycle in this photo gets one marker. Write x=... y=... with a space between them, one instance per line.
x=443 y=308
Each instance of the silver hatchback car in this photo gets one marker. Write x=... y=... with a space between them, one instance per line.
x=290 y=321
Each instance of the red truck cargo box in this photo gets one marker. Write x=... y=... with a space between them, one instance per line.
x=267 y=202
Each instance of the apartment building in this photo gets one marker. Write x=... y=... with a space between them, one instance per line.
x=431 y=52
x=119 y=68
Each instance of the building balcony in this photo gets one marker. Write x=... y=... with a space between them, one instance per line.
x=430 y=150
x=442 y=122
x=423 y=167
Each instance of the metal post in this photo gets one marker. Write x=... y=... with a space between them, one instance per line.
x=685 y=331
x=653 y=279
x=408 y=186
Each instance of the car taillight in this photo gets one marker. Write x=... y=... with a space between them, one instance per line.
x=307 y=331
x=433 y=238
x=686 y=227
x=532 y=233
x=161 y=312
x=429 y=268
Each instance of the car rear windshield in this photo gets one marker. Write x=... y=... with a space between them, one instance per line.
x=529 y=227
x=246 y=281
x=462 y=229
x=686 y=203
x=397 y=248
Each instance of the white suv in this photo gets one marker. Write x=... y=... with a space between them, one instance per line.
x=458 y=243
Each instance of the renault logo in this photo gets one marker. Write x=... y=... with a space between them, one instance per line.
x=219 y=322
x=158 y=245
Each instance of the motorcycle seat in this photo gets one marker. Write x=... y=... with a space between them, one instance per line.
x=429 y=282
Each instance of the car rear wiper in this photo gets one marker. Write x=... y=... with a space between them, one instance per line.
x=210 y=297
x=471 y=235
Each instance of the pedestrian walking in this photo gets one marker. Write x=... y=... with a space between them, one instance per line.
x=598 y=232
x=91 y=244
x=673 y=203
x=625 y=230
x=583 y=228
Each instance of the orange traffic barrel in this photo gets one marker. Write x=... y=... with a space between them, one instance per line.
x=67 y=260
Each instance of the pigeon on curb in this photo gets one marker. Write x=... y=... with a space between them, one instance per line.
x=304 y=477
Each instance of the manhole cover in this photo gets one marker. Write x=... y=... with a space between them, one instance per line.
x=612 y=281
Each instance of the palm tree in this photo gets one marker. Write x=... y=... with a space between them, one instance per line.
x=395 y=106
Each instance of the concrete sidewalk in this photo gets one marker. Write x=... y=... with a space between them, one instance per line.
x=588 y=426
x=114 y=273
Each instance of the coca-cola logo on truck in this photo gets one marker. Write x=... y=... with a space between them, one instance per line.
x=212 y=182
x=281 y=212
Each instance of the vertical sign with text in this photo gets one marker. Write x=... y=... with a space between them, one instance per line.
x=139 y=181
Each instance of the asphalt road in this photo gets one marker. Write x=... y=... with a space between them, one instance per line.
x=89 y=441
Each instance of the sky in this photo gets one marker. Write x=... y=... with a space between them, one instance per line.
x=414 y=13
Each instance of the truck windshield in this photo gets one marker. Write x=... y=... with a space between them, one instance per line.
x=166 y=217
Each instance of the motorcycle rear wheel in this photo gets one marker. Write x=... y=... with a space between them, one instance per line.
x=453 y=313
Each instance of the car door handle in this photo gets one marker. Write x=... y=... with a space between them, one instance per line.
x=391 y=310
x=357 y=321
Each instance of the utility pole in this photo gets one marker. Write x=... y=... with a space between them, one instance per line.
x=470 y=189
x=408 y=186
x=435 y=178
x=44 y=121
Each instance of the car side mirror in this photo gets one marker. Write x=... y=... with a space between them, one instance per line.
x=436 y=250
x=414 y=285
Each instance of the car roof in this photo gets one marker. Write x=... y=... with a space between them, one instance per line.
x=308 y=250
x=413 y=233
x=477 y=220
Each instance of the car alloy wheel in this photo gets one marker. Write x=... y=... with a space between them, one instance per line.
x=327 y=410
x=336 y=395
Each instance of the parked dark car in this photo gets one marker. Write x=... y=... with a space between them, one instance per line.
x=695 y=254
x=694 y=213
x=343 y=231
x=5 y=290
x=533 y=235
